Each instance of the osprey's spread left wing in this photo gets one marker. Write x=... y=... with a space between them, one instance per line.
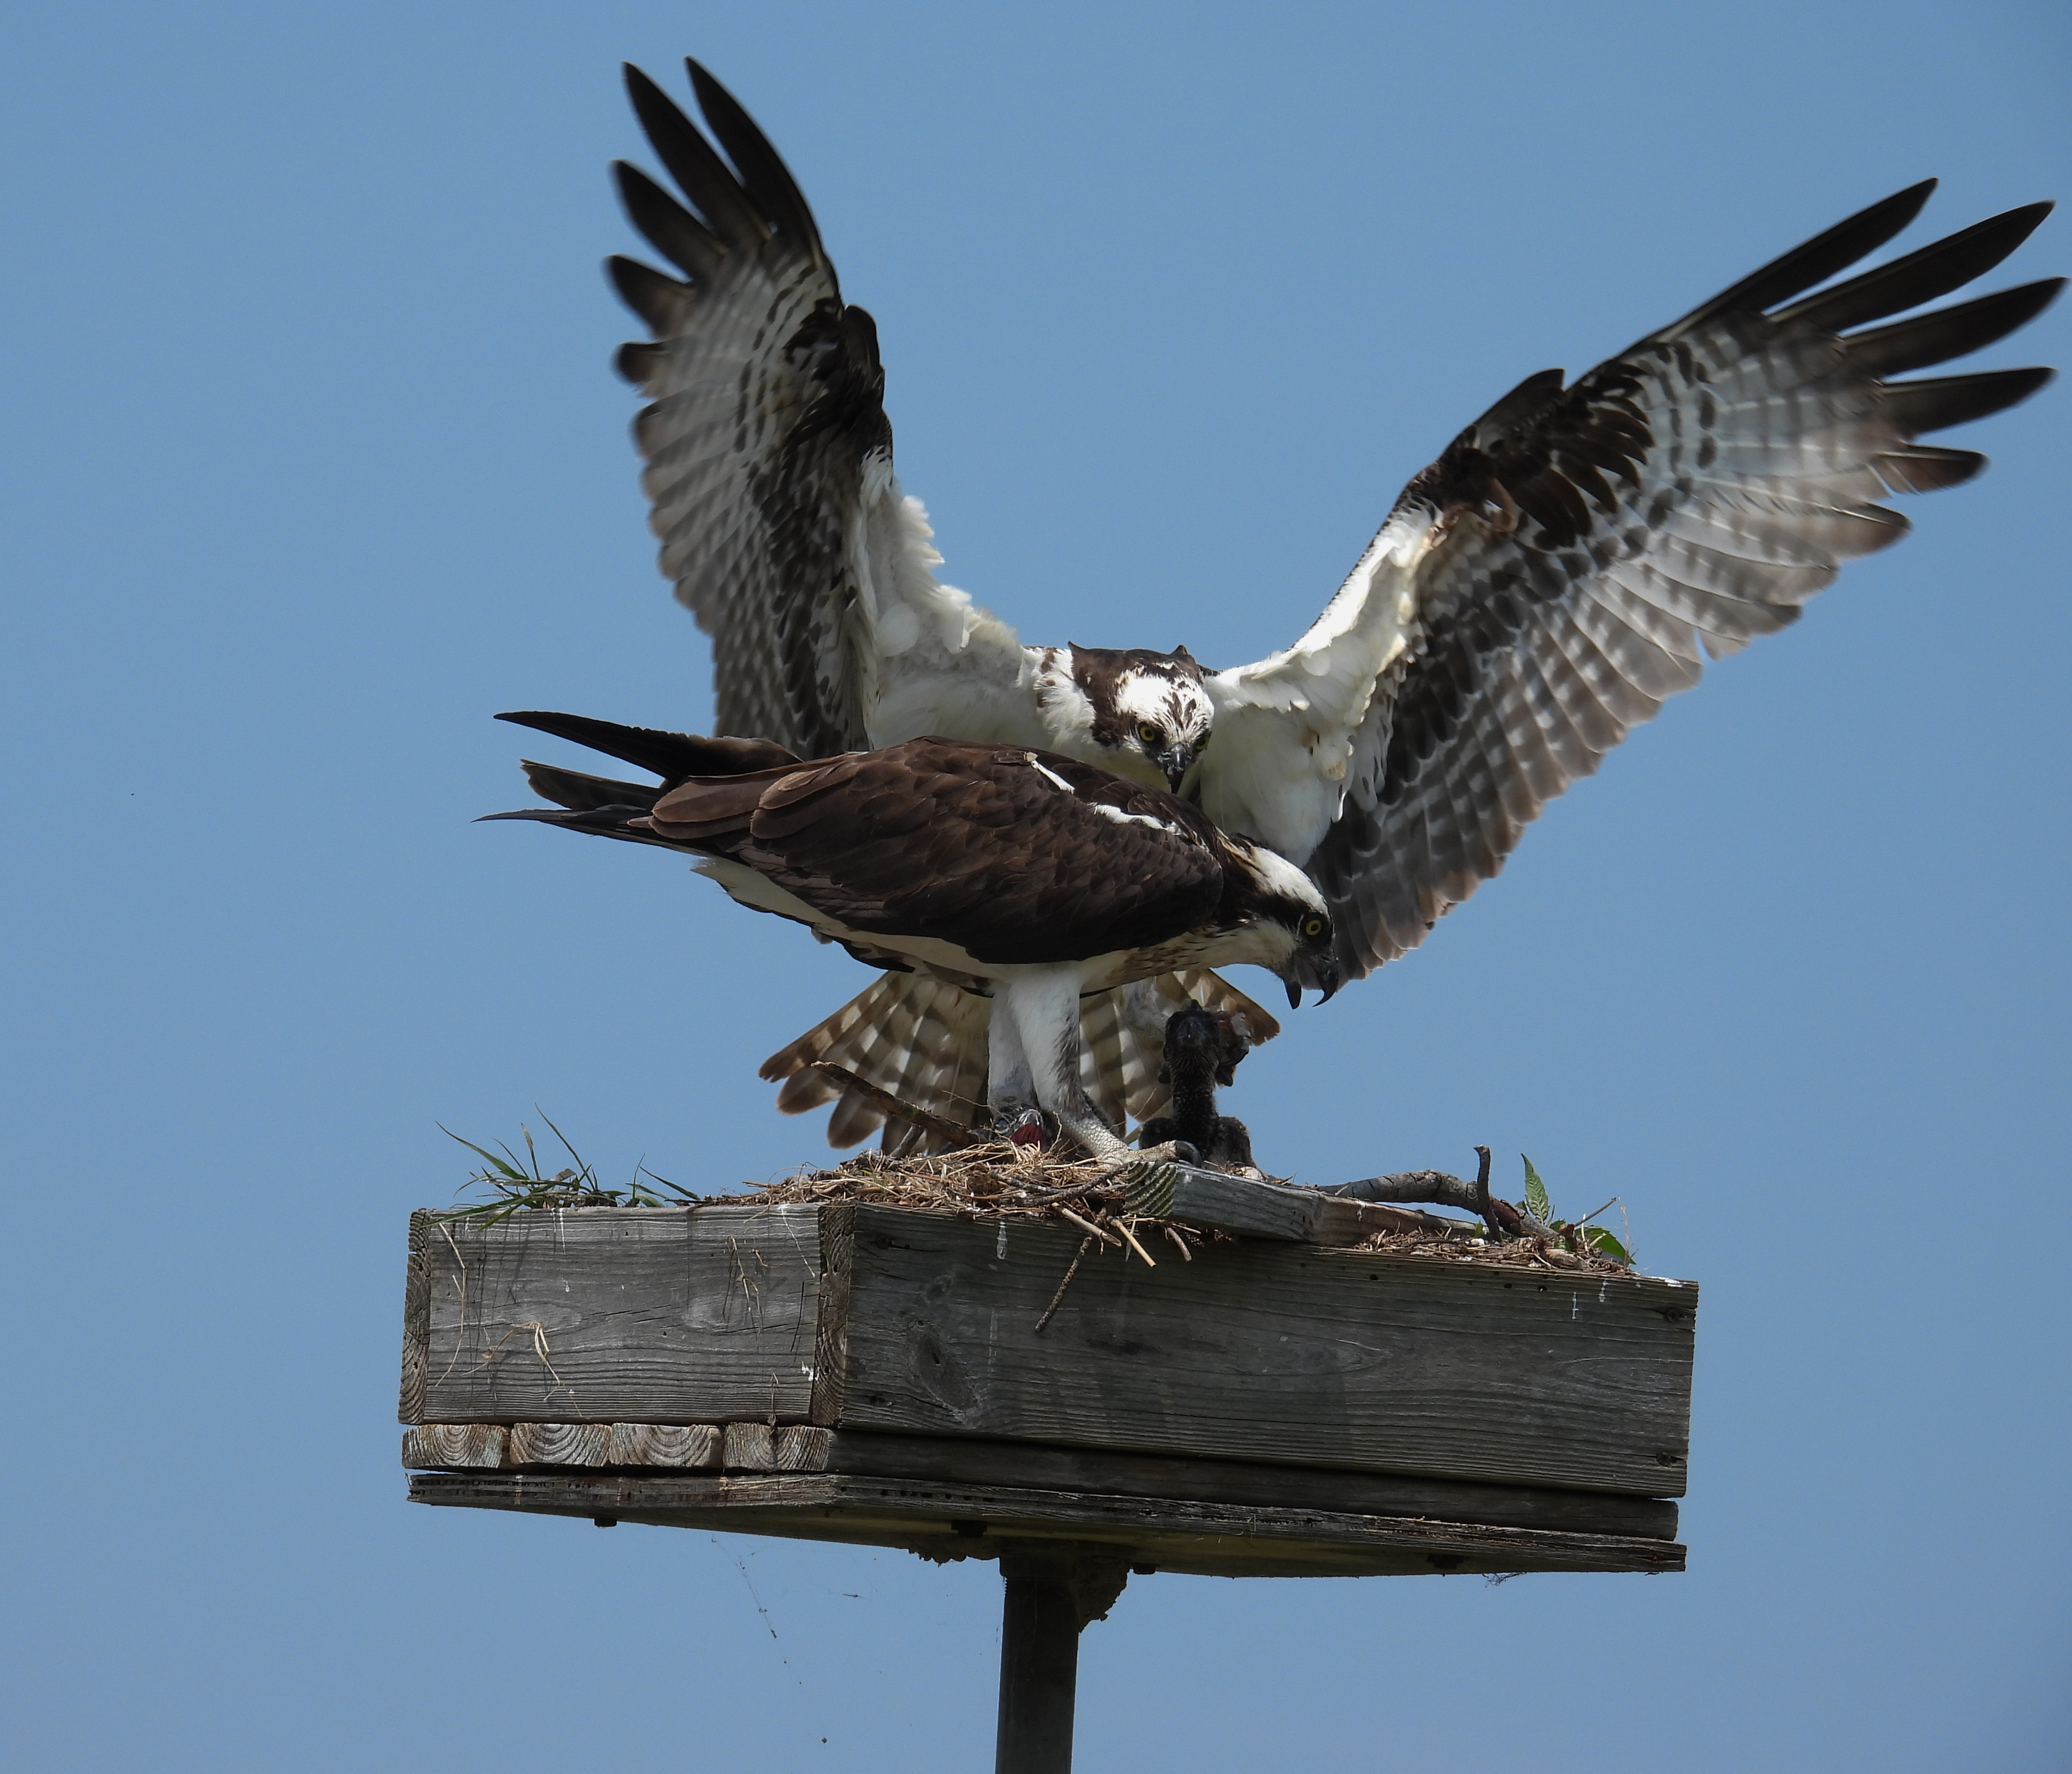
x=769 y=456
x=1566 y=563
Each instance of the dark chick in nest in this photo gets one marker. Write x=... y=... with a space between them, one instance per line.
x=1203 y=1049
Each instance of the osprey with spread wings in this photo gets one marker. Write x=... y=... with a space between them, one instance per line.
x=1565 y=566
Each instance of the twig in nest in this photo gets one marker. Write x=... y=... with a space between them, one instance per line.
x=1123 y=1227
x=1058 y=1299
x=1091 y=1229
x=1173 y=1233
x=1404 y=1187
x=1044 y=1197
x=935 y=1124
x=1047 y=1198
x=1482 y=1205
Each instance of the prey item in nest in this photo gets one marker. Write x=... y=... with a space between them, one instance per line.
x=1203 y=1050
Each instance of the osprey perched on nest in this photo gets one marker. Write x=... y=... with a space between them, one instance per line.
x=1565 y=564
x=1025 y=876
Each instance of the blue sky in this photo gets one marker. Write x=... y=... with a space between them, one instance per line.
x=315 y=460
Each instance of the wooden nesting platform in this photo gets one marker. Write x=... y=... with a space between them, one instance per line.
x=874 y=1375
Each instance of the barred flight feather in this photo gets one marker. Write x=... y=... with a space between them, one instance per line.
x=1673 y=504
x=923 y=1043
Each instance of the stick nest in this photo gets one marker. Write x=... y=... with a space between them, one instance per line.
x=999 y=1181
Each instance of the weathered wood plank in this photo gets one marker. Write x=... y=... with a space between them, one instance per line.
x=751 y=1447
x=830 y=1342
x=962 y=1460
x=1212 y=1201
x=670 y=1446
x=790 y=1447
x=1244 y=1484
x=453 y=1444
x=416 y=1329
x=619 y=1314
x=1208 y=1198
x=939 y=1520
x=557 y=1444
x=1286 y=1354
x=802 y=1449
x=665 y=1444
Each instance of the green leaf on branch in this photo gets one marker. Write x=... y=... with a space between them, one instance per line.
x=1605 y=1244
x=1537 y=1203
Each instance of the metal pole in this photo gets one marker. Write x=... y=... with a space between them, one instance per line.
x=1053 y=1588
x=1039 y=1666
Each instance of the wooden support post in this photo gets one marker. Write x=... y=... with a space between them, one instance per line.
x=1052 y=1591
x=1039 y=1667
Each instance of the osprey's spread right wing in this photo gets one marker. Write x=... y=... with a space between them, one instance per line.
x=1573 y=556
x=769 y=456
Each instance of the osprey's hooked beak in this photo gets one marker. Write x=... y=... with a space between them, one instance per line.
x=1175 y=762
x=1319 y=972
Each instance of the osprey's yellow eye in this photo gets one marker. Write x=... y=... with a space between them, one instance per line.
x=1313 y=926
x=1149 y=734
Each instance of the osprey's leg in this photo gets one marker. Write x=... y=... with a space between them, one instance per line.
x=1043 y=1007
x=1010 y=1089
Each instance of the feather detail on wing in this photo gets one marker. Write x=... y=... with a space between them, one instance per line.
x=769 y=456
x=919 y=1041
x=1575 y=554
x=924 y=1043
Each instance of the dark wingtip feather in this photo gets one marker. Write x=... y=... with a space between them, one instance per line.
x=1521 y=405
x=695 y=165
x=670 y=228
x=603 y=822
x=672 y=756
x=583 y=793
x=656 y=299
x=636 y=360
x=1934 y=405
x=1815 y=260
x=1937 y=337
x=1924 y=468
x=1930 y=271
x=764 y=175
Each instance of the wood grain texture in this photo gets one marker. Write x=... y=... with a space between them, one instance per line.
x=598 y=1315
x=689 y=1444
x=1286 y=1353
x=416 y=1331
x=453 y=1444
x=1208 y=1198
x=751 y=1447
x=1170 y=1533
x=962 y=1460
x=965 y=1460
x=557 y=1444
x=668 y=1446
x=831 y=1343
x=802 y=1449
